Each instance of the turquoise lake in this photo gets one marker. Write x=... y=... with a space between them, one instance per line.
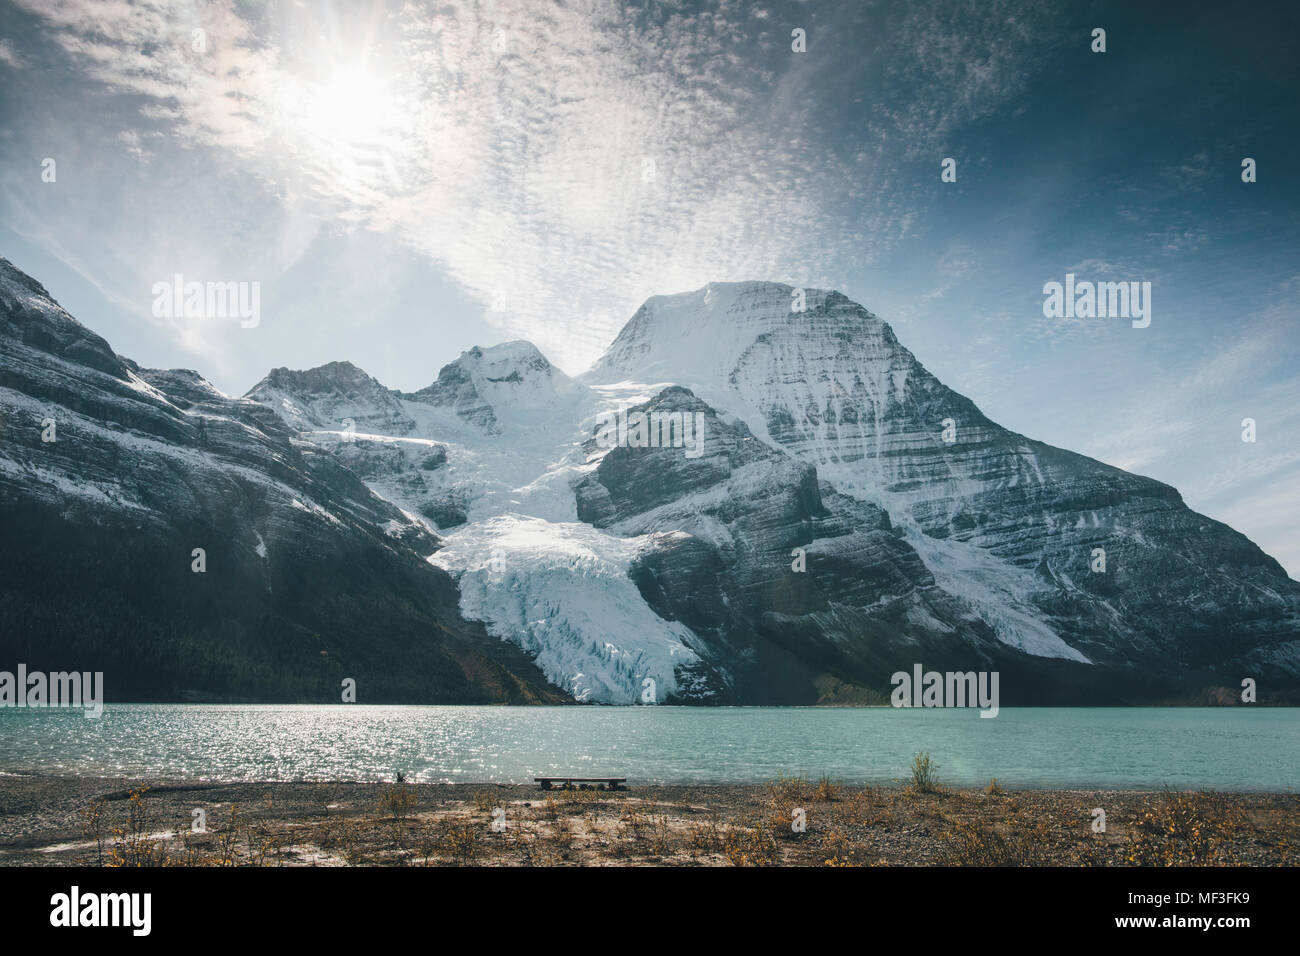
x=1218 y=748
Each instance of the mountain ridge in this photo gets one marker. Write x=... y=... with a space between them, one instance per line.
x=927 y=532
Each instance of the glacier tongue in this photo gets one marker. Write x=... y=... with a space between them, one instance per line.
x=561 y=590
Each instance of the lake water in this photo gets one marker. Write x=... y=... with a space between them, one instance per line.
x=1234 y=748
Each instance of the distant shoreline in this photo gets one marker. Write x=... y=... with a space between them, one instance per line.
x=1153 y=705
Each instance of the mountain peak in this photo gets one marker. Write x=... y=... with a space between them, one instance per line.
x=329 y=396
x=337 y=374
x=483 y=383
x=698 y=338
x=10 y=274
x=513 y=363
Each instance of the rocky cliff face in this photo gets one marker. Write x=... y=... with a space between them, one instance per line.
x=758 y=495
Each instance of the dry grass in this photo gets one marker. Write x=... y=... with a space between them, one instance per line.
x=921 y=822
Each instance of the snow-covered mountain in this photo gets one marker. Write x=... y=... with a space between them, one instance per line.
x=1007 y=524
x=757 y=495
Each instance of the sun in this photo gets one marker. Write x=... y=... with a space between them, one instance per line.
x=353 y=107
x=350 y=129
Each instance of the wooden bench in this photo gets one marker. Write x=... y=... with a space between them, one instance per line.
x=611 y=783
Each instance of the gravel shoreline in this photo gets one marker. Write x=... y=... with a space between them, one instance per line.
x=51 y=820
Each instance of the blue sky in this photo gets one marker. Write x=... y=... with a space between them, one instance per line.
x=406 y=181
